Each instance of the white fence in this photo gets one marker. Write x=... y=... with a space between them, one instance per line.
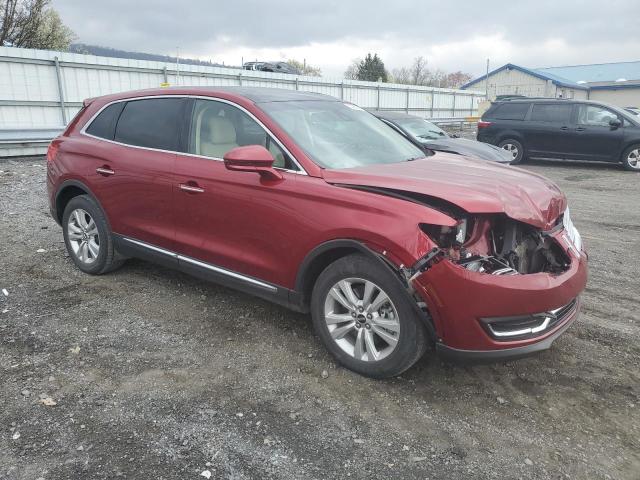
x=41 y=90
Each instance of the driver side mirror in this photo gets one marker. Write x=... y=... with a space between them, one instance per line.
x=252 y=158
x=615 y=123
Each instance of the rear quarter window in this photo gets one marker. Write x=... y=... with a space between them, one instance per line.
x=104 y=124
x=509 y=111
x=151 y=123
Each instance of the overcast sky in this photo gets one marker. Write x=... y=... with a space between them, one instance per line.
x=329 y=33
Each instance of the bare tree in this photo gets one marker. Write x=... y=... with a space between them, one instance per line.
x=419 y=73
x=457 y=79
x=351 y=73
x=32 y=24
x=304 y=68
x=401 y=75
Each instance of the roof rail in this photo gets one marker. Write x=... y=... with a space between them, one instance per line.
x=509 y=99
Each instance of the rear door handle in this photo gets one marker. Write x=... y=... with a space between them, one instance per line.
x=191 y=188
x=105 y=171
x=580 y=129
x=564 y=128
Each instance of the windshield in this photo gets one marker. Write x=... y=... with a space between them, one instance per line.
x=420 y=129
x=340 y=135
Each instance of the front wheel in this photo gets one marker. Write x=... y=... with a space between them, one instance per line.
x=515 y=148
x=631 y=158
x=364 y=318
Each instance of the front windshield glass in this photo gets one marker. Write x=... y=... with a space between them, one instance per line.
x=420 y=129
x=340 y=135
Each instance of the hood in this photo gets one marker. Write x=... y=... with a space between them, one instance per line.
x=476 y=187
x=470 y=148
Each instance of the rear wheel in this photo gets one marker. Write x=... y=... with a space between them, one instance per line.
x=514 y=147
x=88 y=237
x=631 y=158
x=363 y=316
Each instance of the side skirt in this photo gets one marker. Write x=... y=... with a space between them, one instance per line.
x=274 y=293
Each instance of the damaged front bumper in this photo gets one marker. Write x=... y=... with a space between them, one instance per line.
x=478 y=316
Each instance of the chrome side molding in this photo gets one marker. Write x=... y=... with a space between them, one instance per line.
x=208 y=266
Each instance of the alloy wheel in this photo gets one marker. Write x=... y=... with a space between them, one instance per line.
x=362 y=319
x=512 y=149
x=633 y=159
x=83 y=235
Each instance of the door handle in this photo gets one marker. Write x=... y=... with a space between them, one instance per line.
x=191 y=188
x=105 y=171
x=580 y=129
x=564 y=128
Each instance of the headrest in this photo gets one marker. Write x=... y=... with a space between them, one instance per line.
x=221 y=130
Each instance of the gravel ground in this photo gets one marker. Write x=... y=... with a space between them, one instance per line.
x=148 y=373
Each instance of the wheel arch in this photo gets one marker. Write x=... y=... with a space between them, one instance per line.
x=68 y=190
x=320 y=258
x=627 y=146
x=507 y=134
x=328 y=252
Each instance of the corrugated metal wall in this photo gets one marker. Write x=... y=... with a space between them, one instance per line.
x=42 y=89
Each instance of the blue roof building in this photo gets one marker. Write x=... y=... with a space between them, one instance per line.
x=617 y=83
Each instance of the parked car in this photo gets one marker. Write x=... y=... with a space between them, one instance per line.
x=315 y=204
x=563 y=129
x=427 y=135
x=277 y=67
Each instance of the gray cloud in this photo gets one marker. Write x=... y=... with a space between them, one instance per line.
x=587 y=31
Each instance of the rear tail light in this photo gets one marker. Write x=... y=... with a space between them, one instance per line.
x=483 y=124
x=52 y=151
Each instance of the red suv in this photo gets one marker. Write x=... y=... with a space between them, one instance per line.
x=315 y=204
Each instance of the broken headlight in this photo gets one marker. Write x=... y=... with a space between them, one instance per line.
x=571 y=231
x=445 y=236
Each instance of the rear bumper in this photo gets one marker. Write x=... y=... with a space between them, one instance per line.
x=506 y=354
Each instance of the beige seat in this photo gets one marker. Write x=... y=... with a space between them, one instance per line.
x=217 y=136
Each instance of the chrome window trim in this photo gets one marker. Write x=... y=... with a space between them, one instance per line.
x=83 y=131
x=209 y=266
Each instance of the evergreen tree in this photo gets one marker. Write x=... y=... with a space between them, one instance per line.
x=372 y=69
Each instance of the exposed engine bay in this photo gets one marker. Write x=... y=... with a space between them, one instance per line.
x=498 y=245
x=491 y=243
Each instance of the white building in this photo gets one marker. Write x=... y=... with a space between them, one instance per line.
x=615 y=83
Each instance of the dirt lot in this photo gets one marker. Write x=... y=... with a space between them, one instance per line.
x=156 y=375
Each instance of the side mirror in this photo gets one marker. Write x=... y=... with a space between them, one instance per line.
x=252 y=158
x=615 y=123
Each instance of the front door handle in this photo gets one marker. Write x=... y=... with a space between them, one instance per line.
x=580 y=129
x=105 y=171
x=191 y=188
x=564 y=128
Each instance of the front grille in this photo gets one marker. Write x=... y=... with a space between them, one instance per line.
x=527 y=326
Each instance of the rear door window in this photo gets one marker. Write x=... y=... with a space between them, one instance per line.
x=511 y=111
x=151 y=123
x=551 y=113
x=104 y=125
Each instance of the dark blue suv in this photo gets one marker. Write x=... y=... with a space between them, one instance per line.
x=563 y=129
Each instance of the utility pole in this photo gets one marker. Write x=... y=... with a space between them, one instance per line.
x=486 y=82
x=177 y=65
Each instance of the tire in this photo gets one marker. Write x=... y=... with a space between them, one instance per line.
x=85 y=227
x=515 y=147
x=390 y=335
x=631 y=158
